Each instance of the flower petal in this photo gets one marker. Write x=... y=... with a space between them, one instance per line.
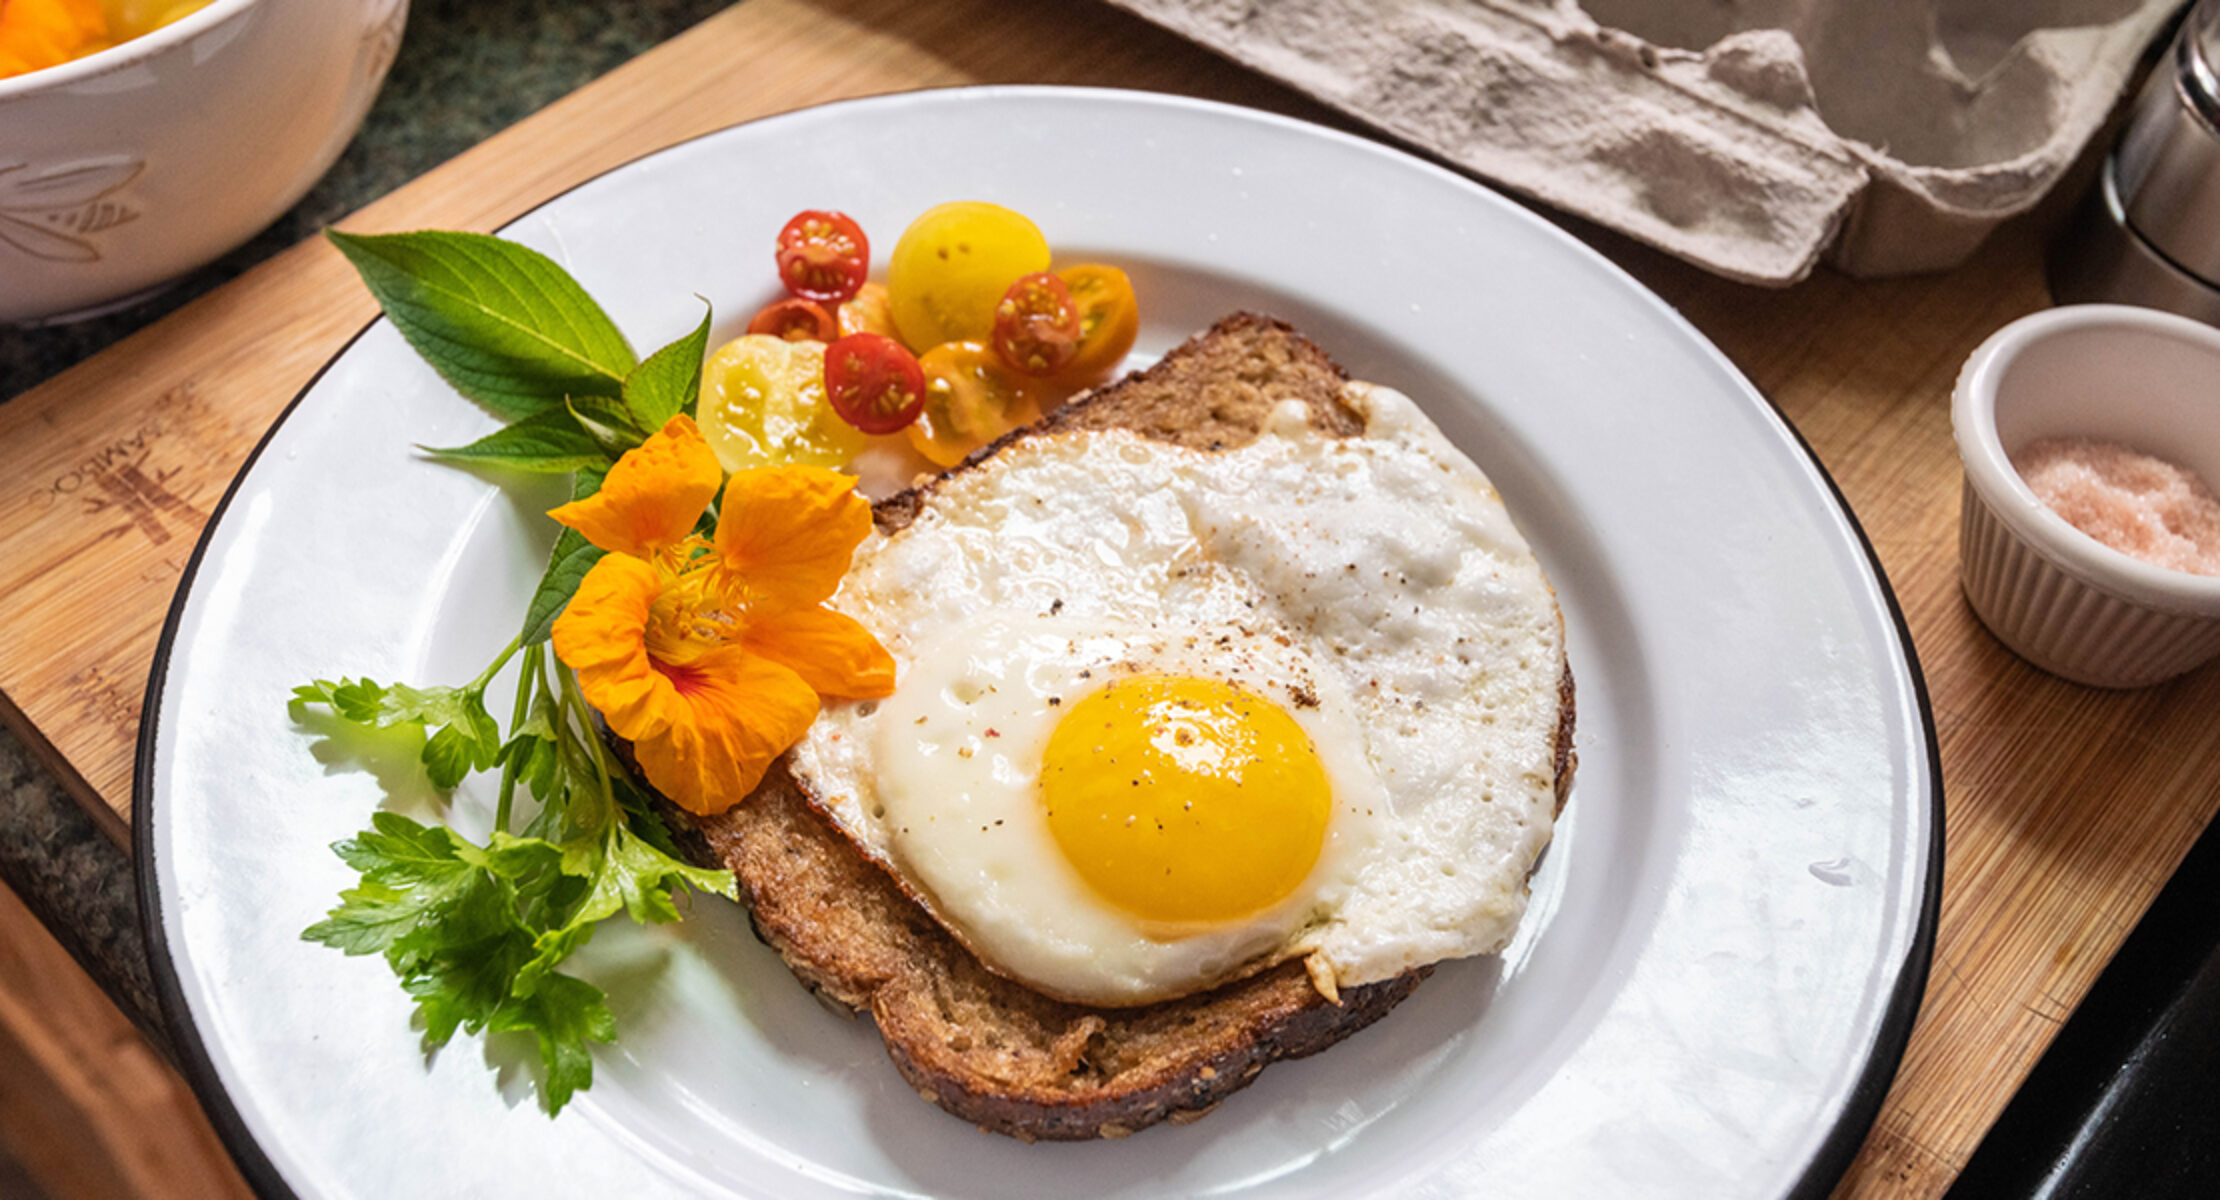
x=652 y=496
x=602 y=635
x=788 y=533
x=831 y=651
x=736 y=713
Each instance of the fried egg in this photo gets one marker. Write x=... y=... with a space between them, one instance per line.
x=1164 y=717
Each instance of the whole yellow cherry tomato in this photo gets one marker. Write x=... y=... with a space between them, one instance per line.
x=763 y=403
x=951 y=267
x=971 y=398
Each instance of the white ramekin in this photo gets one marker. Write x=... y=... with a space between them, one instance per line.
x=129 y=167
x=2058 y=597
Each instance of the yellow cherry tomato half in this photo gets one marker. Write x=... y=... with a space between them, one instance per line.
x=867 y=312
x=951 y=267
x=971 y=398
x=1109 y=321
x=763 y=403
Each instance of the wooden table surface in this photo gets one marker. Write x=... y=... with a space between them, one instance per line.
x=2068 y=807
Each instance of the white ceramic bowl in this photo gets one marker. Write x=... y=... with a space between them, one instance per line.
x=2063 y=600
x=129 y=167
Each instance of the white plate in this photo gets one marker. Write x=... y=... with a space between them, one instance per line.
x=1728 y=938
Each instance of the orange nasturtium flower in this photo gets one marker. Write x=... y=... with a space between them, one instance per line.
x=46 y=33
x=710 y=655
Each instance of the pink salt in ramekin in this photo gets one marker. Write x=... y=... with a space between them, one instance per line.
x=2058 y=597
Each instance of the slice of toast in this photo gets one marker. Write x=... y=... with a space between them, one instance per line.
x=981 y=1046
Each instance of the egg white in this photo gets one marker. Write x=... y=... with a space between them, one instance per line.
x=1400 y=586
x=958 y=752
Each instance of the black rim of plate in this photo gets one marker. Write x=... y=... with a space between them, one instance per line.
x=1828 y=1164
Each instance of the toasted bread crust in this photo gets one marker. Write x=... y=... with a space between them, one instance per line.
x=986 y=1049
x=979 y=1045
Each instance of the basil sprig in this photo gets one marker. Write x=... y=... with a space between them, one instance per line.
x=476 y=932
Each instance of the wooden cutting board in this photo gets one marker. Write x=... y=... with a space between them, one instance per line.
x=2068 y=807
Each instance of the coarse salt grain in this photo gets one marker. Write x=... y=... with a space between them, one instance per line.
x=2139 y=505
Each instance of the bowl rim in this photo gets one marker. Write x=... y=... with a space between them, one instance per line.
x=1990 y=470
x=122 y=54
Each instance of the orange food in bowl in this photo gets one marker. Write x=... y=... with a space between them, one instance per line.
x=45 y=33
x=36 y=34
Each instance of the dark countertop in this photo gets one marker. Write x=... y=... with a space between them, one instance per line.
x=2125 y=1102
x=466 y=71
x=2109 y=1092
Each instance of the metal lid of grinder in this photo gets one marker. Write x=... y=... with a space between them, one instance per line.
x=2150 y=232
x=2167 y=167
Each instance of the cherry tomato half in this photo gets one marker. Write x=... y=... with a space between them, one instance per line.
x=1036 y=325
x=874 y=382
x=823 y=256
x=971 y=398
x=866 y=312
x=796 y=320
x=763 y=403
x=1109 y=321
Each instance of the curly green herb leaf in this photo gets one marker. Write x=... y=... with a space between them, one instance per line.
x=462 y=736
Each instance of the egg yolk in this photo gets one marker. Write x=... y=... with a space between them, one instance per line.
x=1183 y=799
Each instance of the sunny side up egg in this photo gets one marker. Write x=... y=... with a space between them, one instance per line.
x=1165 y=717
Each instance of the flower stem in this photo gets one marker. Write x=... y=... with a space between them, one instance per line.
x=579 y=765
x=592 y=739
x=527 y=675
x=499 y=661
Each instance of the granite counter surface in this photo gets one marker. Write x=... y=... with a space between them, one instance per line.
x=465 y=71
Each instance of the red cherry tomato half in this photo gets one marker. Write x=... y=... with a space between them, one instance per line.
x=823 y=256
x=874 y=382
x=1036 y=325
x=795 y=320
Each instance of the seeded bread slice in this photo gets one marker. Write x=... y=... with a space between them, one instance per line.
x=981 y=1046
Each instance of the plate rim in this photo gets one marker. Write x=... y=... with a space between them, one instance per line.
x=1861 y=1106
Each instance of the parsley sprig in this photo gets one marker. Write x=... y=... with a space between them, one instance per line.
x=476 y=931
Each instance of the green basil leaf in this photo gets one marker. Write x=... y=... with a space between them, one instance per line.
x=572 y=558
x=551 y=443
x=504 y=324
x=667 y=383
x=609 y=422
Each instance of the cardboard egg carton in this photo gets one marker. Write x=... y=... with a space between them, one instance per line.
x=1747 y=136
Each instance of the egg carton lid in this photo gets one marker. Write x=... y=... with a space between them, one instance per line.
x=1749 y=139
